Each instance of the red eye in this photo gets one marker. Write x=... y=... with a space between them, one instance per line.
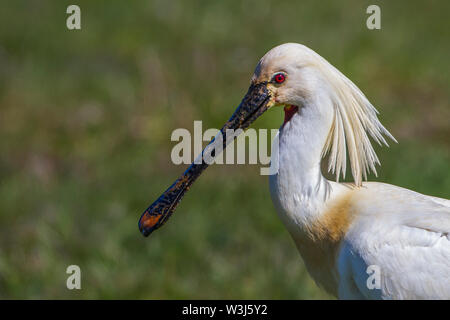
x=279 y=78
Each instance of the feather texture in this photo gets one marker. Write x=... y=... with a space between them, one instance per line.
x=355 y=119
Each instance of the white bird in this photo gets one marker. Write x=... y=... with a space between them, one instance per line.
x=361 y=240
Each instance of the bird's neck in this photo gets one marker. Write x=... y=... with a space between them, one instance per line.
x=301 y=144
x=301 y=194
x=299 y=182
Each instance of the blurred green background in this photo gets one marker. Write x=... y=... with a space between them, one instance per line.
x=86 y=118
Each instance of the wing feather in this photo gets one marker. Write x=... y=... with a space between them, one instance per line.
x=405 y=236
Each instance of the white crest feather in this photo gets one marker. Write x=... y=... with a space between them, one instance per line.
x=355 y=117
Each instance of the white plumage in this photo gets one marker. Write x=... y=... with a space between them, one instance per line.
x=341 y=229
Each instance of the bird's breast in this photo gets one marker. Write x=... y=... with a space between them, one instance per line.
x=317 y=228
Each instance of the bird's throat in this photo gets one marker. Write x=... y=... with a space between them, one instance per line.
x=289 y=112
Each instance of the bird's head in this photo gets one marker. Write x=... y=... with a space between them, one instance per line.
x=290 y=74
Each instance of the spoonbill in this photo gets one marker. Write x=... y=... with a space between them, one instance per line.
x=360 y=240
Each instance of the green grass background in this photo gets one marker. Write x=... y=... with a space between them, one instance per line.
x=86 y=118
